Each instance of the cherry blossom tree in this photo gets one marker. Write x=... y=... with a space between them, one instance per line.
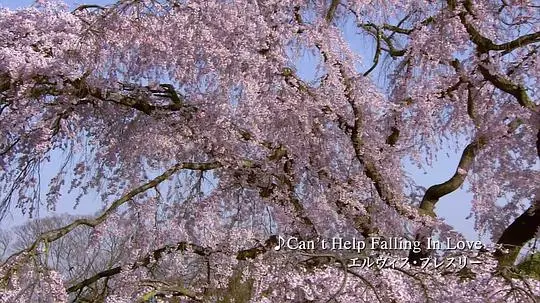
x=191 y=120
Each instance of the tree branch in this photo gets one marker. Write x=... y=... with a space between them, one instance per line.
x=517 y=91
x=56 y=234
x=183 y=246
x=89 y=6
x=517 y=234
x=377 y=51
x=378 y=34
x=155 y=255
x=485 y=44
x=435 y=192
x=397 y=29
x=370 y=170
x=331 y=11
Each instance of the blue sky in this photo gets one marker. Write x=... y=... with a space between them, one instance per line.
x=453 y=207
x=13 y=4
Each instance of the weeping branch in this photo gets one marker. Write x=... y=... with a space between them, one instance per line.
x=130 y=95
x=362 y=221
x=523 y=228
x=436 y=192
x=484 y=45
x=384 y=190
x=56 y=234
x=153 y=256
x=181 y=247
x=88 y=7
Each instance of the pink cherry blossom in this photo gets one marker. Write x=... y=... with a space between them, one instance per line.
x=209 y=144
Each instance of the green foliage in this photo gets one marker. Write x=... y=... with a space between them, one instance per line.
x=531 y=266
x=238 y=291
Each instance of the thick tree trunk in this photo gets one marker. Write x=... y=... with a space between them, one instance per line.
x=517 y=234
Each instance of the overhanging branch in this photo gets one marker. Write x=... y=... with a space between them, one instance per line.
x=517 y=91
x=182 y=247
x=435 y=192
x=483 y=43
x=56 y=234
